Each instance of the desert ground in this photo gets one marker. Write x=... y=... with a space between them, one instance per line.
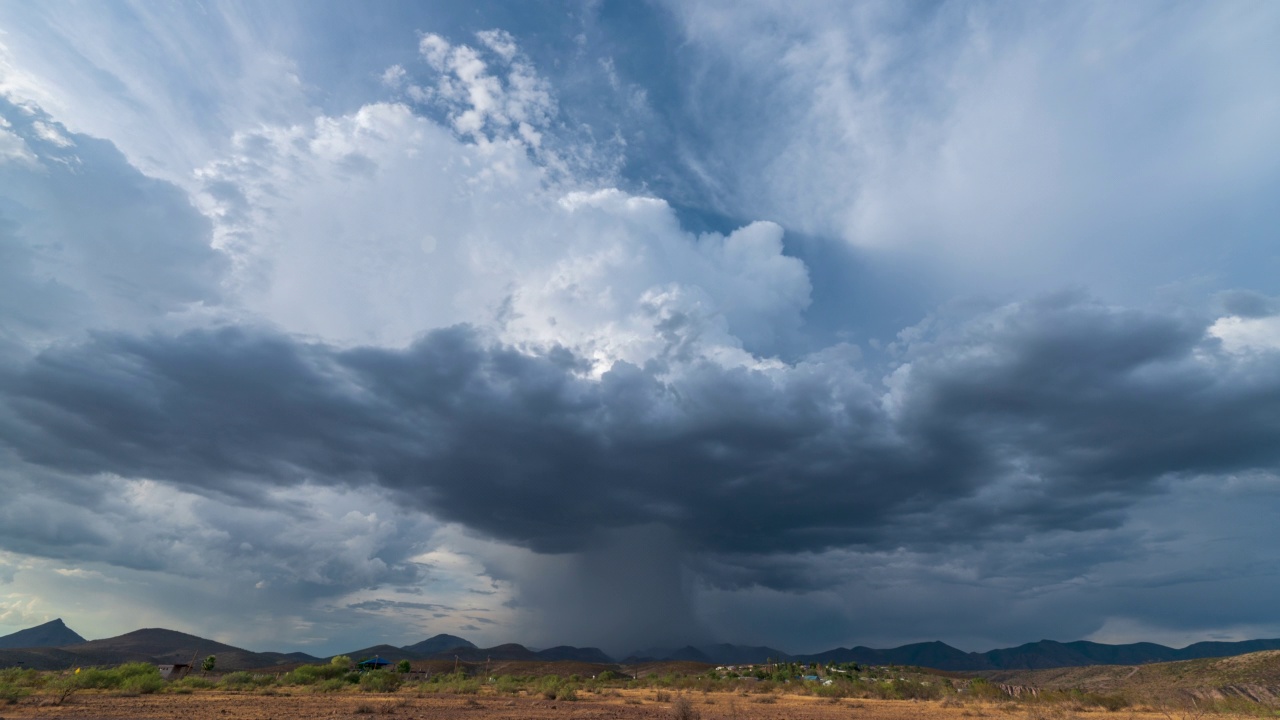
x=647 y=704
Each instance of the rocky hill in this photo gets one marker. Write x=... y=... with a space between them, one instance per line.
x=1254 y=676
x=54 y=633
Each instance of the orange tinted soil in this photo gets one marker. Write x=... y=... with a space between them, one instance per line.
x=637 y=704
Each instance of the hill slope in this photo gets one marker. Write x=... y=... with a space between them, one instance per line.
x=154 y=645
x=49 y=635
x=1255 y=676
x=438 y=644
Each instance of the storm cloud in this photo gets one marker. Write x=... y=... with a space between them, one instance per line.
x=1057 y=414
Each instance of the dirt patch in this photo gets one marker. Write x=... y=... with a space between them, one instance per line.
x=627 y=705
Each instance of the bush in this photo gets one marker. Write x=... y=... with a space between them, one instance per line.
x=236 y=679
x=379 y=681
x=507 y=685
x=134 y=670
x=682 y=709
x=95 y=679
x=333 y=685
x=242 y=680
x=403 y=667
x=983 y=690
x=312 y=674
x=132 y=678
x=22 y=678
x=912 y=690
x=195 y=682
x=140 y=685
x=837 y=689
x=11 y=693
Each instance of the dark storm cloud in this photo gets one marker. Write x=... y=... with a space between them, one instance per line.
x=1054 y=415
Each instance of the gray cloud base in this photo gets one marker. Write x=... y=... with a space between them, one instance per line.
x=1053 y=415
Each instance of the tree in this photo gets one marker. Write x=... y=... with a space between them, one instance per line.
x=341 y=661
x=403 y=666
x=209 y=664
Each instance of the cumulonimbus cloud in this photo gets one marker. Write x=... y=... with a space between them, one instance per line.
x=1057 y=414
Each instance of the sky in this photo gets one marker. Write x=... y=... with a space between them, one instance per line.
x=633 y=324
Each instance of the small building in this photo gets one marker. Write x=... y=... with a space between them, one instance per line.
x=176 y=671
x=374 y=663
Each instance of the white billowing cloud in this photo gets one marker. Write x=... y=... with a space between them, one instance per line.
x=374 y=227
x=493 y=93
x=1241 y=334
x=484 y=106
x=50 y=134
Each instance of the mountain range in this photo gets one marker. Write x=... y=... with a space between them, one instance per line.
x=53 y=646
x=941 y=656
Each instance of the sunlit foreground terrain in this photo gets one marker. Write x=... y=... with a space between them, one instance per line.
x=629 y=703
x=1243 y=686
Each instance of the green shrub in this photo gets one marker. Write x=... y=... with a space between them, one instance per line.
x=403 y=667
x=333 y=685
x=983 y=690
x=22 y=678
x=236 y=679
x=836 y=689
x=136 y=676
x=11 y=693
x=96 y=679
x=140 y=685
x=465 y=687
x=312 y=674
x=379 y=681
x=507 y=685
x=194 y=682
x=141 y=669
x=913 y=690
x=241 y=680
